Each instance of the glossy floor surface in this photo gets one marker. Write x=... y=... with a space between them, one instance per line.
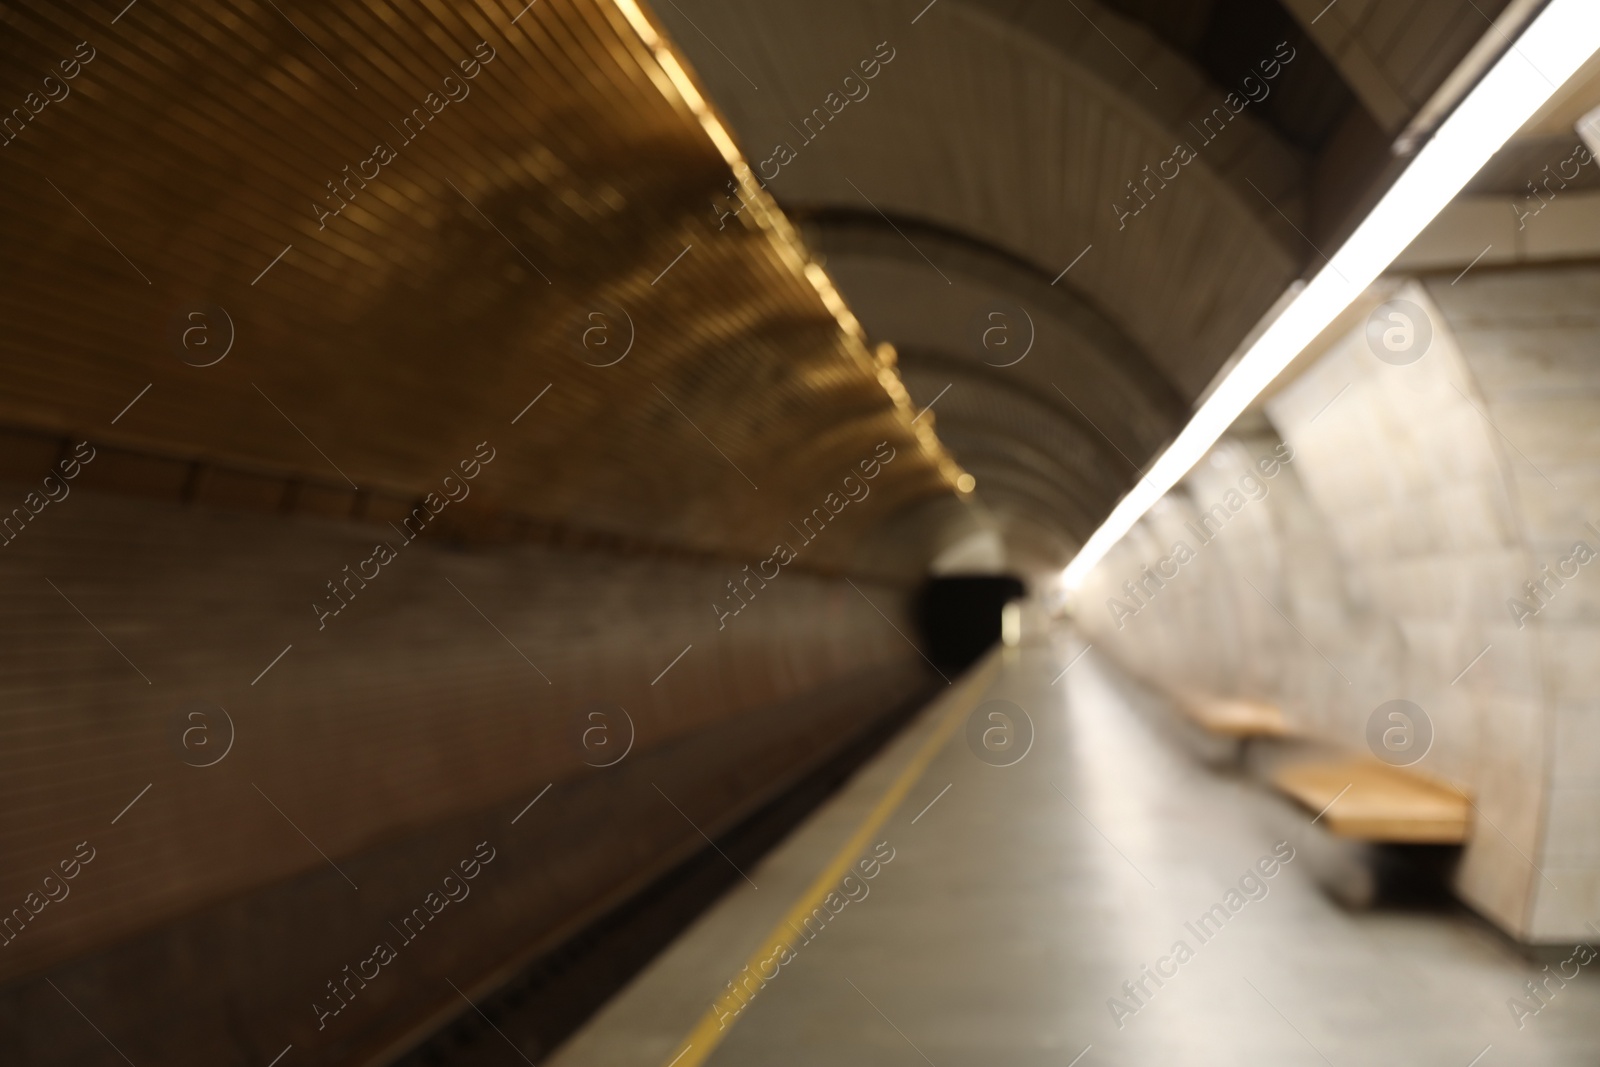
x=1017 y=905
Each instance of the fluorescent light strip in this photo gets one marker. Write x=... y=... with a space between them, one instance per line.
x=1552 y=48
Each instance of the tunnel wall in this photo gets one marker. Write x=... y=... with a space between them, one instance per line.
x=381 y=751
x=1384 y=559
x=276 y=371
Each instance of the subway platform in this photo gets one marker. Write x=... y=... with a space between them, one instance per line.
x=1104 y=899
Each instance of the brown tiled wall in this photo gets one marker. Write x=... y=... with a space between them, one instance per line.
x=395 y=739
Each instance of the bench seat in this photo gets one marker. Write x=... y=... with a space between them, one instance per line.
x=1376 y=802
x=1235 y=718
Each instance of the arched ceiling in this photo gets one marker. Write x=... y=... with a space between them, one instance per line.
x=1023 y=136
x=384 y=325
x=1021 y=378
x=989 y=166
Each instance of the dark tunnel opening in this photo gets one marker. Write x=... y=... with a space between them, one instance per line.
x=959 y=615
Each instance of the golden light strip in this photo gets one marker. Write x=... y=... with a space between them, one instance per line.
x=786 y=241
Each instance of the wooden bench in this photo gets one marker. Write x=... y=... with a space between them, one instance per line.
x=1371 y=801
x=1234 y=718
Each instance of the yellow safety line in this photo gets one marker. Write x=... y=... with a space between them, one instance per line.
x=708 y=1032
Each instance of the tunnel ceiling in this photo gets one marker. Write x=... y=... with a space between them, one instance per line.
x=401 y=264
x=982 y=177
x=397 y=225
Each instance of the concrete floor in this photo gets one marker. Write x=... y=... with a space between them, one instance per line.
x=1021 y=901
